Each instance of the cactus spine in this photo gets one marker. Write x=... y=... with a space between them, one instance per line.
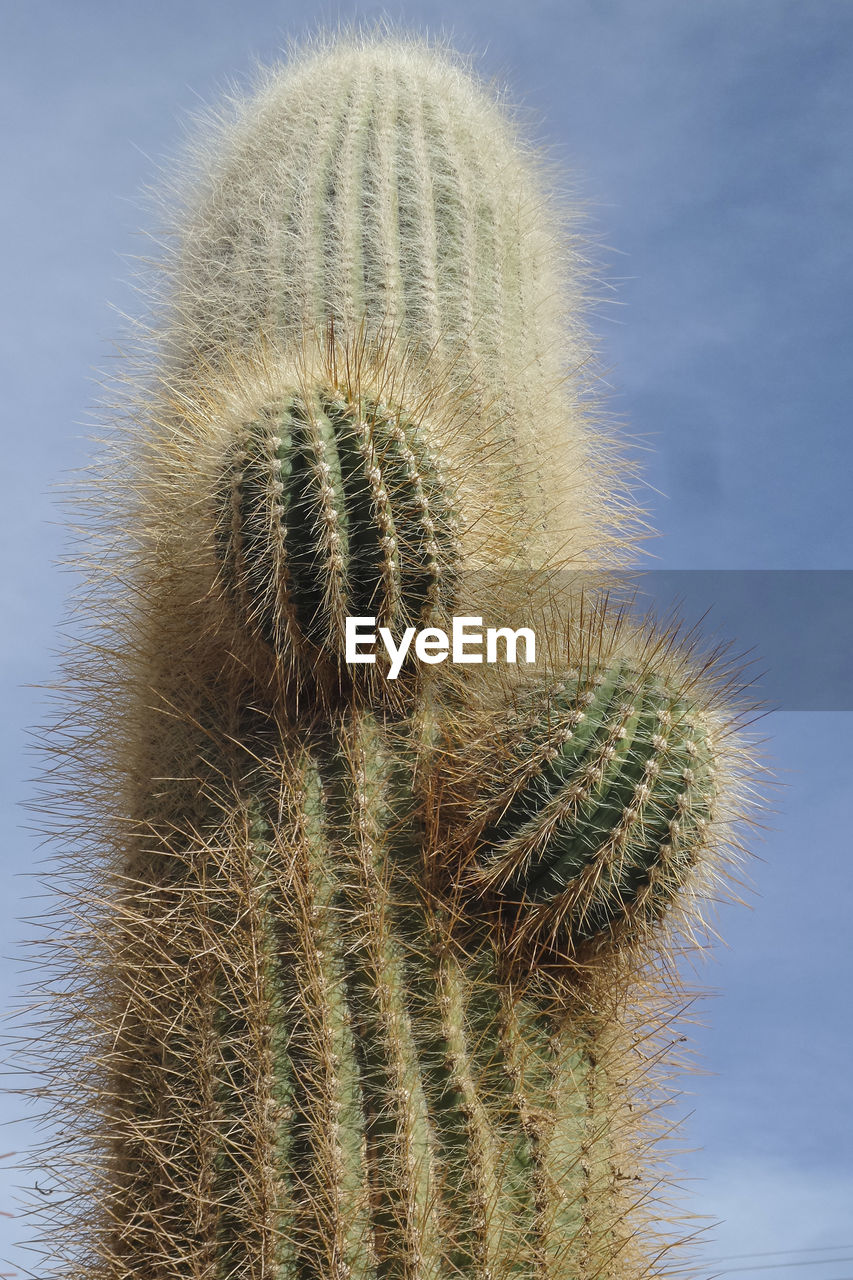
x=358 y=960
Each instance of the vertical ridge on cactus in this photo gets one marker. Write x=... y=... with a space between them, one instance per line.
x=325 y=1173
x=361 y=981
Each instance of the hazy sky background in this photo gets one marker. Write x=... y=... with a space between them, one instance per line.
x=713 y=143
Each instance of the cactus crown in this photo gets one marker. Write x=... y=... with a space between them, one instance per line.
x=599 y=804
x=373 y=183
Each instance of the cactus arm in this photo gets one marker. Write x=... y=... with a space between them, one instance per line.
x=604 y=799
x=330 y=505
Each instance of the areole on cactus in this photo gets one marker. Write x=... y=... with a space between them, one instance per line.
x=368 y=964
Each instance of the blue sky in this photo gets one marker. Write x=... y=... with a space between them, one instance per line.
x=712 y=142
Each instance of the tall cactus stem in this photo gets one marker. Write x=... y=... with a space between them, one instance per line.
x=362 y=978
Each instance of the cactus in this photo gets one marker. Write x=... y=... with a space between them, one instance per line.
x=366 y=968
x=601 y=800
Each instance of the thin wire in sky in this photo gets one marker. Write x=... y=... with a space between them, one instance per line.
x=779 y=1253
x=777 y=1266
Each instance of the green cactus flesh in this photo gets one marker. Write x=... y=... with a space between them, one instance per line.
x=331 y=509
x=604 y=805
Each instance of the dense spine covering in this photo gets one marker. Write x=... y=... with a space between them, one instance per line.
x=330 y=509
x=601 y=801
x=311 y=1047
x=317 y=1078
x=375 y=185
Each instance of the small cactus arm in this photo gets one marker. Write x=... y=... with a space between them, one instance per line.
x=363 y=525
x=368 y=965
x=601 y=800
